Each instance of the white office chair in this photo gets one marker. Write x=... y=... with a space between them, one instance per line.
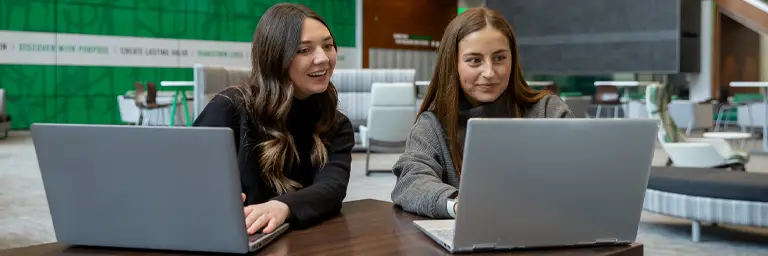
x=390 y=118
x=685 y=151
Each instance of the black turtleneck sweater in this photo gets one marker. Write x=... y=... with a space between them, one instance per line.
x=323 y=190
x=496 y=109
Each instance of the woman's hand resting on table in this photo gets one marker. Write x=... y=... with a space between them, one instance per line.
x=264 y=217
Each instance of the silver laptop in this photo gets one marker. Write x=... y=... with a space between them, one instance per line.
x=161 y=188
x=529 y=183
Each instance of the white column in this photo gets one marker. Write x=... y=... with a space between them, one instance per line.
x=763 y=57
x=359 y=32
x=701 y=83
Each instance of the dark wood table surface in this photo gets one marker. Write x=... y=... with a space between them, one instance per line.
x=365 y=227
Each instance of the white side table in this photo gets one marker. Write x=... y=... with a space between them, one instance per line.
x=729 y=136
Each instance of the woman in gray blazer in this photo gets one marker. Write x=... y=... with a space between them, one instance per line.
x=477 y=74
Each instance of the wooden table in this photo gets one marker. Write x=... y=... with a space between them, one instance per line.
x=366 y=227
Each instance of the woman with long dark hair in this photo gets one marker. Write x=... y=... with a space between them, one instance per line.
x=293 y=145
x=477 y=74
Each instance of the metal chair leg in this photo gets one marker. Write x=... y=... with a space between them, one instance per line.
x=718 y=120
x=749 y=121
x=368 y=159
x=141 y=117
x=597 y=114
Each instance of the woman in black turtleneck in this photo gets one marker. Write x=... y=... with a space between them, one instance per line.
x=293 y=146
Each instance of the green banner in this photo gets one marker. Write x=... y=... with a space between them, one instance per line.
x=49 y=91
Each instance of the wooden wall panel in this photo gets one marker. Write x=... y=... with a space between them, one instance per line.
x=745 y=13
x=383 y=18
x=737 y=55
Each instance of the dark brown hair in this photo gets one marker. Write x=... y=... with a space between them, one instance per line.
x=444 y=90
x=268 y=93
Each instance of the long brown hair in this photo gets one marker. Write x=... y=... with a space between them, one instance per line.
x=444 y=90
x=268 y=94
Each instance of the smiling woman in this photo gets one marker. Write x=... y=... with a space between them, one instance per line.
x=477 y=74
x=312 y=67
x=293 y=146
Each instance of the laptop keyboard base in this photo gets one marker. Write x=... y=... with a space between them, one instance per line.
x=444 y=235
x=254 y=237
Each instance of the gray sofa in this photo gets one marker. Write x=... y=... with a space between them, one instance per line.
x=353 y=86
x=5 y=119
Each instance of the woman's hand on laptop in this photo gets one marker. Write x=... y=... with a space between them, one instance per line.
x=265 y=217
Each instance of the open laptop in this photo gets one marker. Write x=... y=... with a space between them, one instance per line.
x=530 y=183
x=164 y=188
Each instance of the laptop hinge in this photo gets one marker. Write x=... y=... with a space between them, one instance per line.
x=484 y=247
x=607 y=241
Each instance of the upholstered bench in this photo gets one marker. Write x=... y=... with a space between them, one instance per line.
x=708 y=195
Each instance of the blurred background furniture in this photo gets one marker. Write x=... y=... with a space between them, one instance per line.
x=764 y=89
x=728 y=112
x=130 y=110
x=708 y=196
x=540 y=85
x=689 y=152
x=5 y=119
x=612 y=87
x=180 y=88
x=689 y=114
x=750 y=116
x=607 y=96
x=354 y=88
x=390 y=118
x=421 y=91
x=578 y=103
x=150 y=112
x=210 y=80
